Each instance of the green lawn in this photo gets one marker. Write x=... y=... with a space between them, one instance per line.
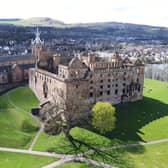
x=144 y=120
x=138 y=121
x=15 y=160
x=76 y=165
x=17 y=126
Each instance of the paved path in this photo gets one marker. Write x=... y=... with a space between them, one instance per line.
x=30 y=152
x=65 y=158
x=58 y=163
x=77 y=158
x=129 y=145
x=37 y=136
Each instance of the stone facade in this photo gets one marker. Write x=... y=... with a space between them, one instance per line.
x=90 y=77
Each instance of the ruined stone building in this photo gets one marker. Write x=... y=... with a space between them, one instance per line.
x=90 y=77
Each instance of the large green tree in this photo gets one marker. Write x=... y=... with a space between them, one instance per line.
x=103 y=117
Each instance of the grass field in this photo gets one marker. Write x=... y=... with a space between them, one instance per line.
x=17 y=126
x=15 y=160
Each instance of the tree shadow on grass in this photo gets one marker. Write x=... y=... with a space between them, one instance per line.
x=131 y=117
x=114 y=157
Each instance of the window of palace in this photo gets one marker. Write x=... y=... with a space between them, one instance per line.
x=123 y=91
x=101 y=93
x=91 y=94
x=108 y=92
x=116 y=91
x=91 y=87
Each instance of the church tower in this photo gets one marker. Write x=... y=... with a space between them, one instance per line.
x=37 y=45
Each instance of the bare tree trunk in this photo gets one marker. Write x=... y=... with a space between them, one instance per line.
x=67 y=132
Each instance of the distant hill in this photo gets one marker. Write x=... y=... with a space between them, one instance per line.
x=35 y=21
x=9 y=19
x=114 y=30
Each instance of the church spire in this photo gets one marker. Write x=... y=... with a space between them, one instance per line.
x=37 y=39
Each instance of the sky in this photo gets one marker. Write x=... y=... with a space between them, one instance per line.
x=150 y=12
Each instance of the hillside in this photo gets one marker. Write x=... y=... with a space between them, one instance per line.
x=41 y=21
x=17 y=126
x=35 y=21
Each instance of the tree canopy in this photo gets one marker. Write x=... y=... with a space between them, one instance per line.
x=103 y=117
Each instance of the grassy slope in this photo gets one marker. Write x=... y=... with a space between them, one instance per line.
x=139 y=121
x=156 y=129
x=24 y=98
x=15 y=160
x=17 y=126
